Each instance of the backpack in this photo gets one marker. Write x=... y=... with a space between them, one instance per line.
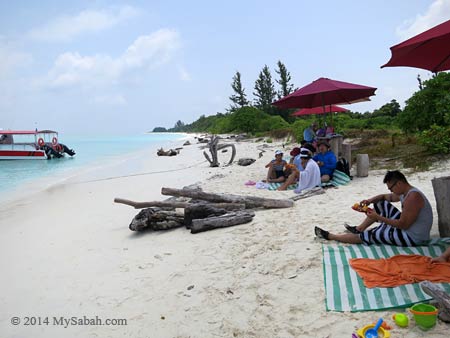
x=342 y=165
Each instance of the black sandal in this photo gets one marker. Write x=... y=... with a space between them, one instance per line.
x=352 y=229
x=321 y=233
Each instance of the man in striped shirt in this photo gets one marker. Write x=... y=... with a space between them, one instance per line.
x=410 y=227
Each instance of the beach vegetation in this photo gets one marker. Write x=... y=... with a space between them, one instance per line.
x=238 y=98
x=436 y=139
x=265 y=91
x=159 y=130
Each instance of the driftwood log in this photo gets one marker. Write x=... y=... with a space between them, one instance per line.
x=156 y=219
x=214 y=147
x=249 y=201
x=222 y=221
x=177 y=204
x=246 y=161
x=440 y=296
x=441 y=188
x=170 y=152
x=202 y=210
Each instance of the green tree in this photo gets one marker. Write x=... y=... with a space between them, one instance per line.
x=239 y=98
x=428 y=106
x=391 y=109
x=264 y=91
x=285 y=77
x=246 y=119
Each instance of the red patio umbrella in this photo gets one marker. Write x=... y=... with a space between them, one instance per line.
x=429 y=50
x=319 y=110
x=324 y=92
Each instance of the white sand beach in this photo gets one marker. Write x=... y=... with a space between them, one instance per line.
x=67 y=252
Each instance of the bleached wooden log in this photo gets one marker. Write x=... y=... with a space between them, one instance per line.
x=441 y=297
x=309 y=193
x=176 y=204
x=223 y=221
x=441 y=188
x=249 y=201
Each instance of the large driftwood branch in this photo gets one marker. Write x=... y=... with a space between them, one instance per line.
x=222 y=221
x=214 y=147
x=161 y=204
x=177 y=204
x=440 y=296
x=249 y=201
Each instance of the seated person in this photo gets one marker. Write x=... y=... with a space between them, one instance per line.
x=329 y=131
x=410 y=227
x=326 y=161
x=276 y=168
x=309 y=134
x=307 y=178
x=321 y=132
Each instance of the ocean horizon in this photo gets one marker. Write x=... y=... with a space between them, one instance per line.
x=91 y=152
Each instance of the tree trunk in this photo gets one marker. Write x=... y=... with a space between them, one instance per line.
x=156 y=219
x=362 y=165
x=441 y=188
x=223 y=221
x=249 y=201
x=440 y=296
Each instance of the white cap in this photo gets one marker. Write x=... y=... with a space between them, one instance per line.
x=278 y=152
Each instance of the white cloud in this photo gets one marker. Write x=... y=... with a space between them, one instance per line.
x=146 y=52
x=67 y=27
x=11 y=58
x=438 y=12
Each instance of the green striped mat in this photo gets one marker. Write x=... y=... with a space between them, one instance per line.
x=339 y=178
x=345 y=290
x=275 y=186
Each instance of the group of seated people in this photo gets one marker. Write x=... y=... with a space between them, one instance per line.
x=307 y=166
x=311 y=133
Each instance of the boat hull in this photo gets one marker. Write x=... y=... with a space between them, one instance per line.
x=22 y=155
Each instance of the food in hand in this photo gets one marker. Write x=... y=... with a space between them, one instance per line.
x=361 y=207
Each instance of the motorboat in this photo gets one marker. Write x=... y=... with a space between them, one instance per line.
x=31 y=145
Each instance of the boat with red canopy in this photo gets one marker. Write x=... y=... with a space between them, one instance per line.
x=31 y=145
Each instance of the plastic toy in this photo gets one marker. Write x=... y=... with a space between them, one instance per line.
x=425 y=315
x=400 y=319
x=381 y=333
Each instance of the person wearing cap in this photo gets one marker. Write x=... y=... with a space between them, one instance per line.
x=307 y=178
x=309 y=134
x=276 y=168
x=326 y=161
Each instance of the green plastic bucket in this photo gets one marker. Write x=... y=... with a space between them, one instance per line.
x=425 y=315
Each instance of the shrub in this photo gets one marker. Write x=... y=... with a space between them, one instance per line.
x=436 y=139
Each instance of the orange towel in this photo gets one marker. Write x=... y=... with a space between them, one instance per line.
x=399 y=270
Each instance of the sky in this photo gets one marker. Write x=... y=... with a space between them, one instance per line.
x=105 y=67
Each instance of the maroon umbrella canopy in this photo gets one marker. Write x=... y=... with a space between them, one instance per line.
x=325 y=92
x=319 y=110
x=429 y=50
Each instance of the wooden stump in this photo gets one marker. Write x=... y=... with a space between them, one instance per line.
x=362 y=165
x=223 y=221
x=347 y=154
x=156 y=219
x=441 y=188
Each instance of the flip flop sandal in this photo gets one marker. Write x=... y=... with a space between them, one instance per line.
x=352 y=229
x=321 y=233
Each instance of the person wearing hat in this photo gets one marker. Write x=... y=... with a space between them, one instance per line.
x=276 y=168
x=307 y=178
x=326 y=161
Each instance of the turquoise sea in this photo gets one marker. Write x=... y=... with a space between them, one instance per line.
x=90 y=152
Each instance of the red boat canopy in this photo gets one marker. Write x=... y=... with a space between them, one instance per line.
x=26 y=132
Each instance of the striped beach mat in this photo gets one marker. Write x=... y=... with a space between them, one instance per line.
x=345 y=290
x=275 y=186
x=339 y=178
